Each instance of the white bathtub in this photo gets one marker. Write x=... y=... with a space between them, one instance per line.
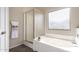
x=47 y=44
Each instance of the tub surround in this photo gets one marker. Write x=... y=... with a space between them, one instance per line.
x=48 y=44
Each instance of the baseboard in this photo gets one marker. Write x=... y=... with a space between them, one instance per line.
x=15 y=46
x=25 y=43
x=28 y=44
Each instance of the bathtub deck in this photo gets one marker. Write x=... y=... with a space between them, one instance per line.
x=48 y=44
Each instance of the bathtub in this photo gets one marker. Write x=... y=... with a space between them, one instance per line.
x=48 y=44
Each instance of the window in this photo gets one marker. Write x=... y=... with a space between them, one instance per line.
x=59 y=19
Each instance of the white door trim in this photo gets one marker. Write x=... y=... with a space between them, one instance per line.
x=7 y=29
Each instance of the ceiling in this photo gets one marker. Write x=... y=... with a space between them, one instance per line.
x=50 y=8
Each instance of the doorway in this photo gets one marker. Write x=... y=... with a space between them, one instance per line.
x=4 y=29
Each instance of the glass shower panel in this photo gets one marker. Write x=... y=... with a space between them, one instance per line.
x=29 y=35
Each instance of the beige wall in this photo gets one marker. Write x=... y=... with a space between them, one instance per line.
x=74 y=22
x=18 y=13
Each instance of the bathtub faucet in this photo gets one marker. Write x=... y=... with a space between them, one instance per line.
x=39 y=38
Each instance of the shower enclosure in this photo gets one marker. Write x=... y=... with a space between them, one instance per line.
x=34 y=25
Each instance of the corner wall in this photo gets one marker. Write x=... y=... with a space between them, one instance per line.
x=17 y=12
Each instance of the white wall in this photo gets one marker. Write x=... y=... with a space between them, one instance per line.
x=74 y=22
x=18 y=12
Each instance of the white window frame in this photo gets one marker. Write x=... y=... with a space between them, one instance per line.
x=63 y=27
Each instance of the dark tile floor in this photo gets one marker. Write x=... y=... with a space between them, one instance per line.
x=21 y=48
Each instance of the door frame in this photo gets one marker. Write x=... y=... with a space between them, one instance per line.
x=7 y=29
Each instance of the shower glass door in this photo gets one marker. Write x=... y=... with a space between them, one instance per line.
x=29 y=26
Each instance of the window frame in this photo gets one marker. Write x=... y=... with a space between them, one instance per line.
x=60 y=29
